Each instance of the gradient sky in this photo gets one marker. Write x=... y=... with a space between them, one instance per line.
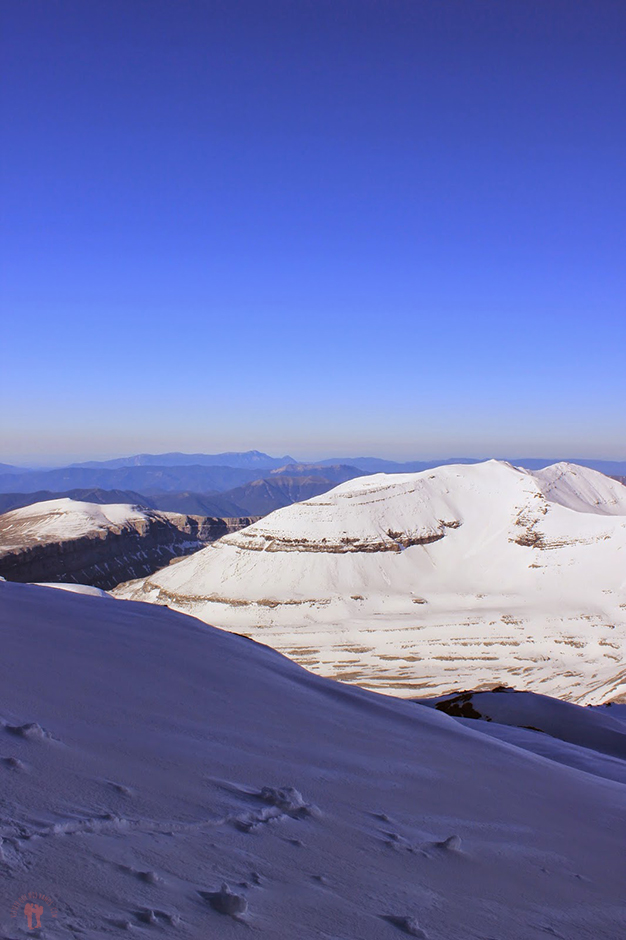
x=393 y=227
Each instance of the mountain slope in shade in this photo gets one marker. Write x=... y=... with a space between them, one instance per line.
x=283 y=486
x=460 y=577
x=333 y=473
x=163 y=777
x=264 y=496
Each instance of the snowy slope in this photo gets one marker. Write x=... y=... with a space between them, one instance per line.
x=582 y=489
x=461 y=577
x=590 y=739
x=67 y=540
x=147 y=759
x=56 y=520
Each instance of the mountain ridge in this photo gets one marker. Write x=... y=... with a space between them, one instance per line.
x=101 y=545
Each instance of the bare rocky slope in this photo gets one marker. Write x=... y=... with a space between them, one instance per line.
x=64 y=540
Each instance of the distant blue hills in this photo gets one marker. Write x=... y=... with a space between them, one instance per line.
x=227 y=484
x=246 y=460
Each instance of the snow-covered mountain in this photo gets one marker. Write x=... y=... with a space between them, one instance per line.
x=166 y=778
x=99 y=544
x=464 y=576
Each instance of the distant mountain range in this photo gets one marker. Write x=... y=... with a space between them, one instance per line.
x=228 y=484
x=258 y=497
x=255 y=460
x=143 y=479
x=9 y=468
x=248 y=460
x=286 y=485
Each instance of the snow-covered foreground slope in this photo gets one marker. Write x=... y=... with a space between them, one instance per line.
x=459 y=577
x=146 y=760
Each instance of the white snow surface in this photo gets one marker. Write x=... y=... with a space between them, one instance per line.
x=57 y=520
x=168 y=778
x=74 y=588
x=466 y=576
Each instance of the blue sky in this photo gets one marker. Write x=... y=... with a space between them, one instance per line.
x=343 y=227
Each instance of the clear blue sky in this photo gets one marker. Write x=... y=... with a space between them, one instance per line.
x=325 y=227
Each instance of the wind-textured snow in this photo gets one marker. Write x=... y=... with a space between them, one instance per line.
x=167 y=778
x=464 y=576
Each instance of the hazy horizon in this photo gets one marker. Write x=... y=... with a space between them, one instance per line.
x=59 y=462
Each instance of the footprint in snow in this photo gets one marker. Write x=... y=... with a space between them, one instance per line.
x=149 y=916
x=407 y=925
x=450 y=845
x=279 y=803
x=120 y=788
x=226 y=901
x=32 y=731
x=394 y=840
x=149 y=877
x=13 y=763
x=289 y=801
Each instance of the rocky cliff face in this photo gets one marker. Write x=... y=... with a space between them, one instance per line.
x=101 y=555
